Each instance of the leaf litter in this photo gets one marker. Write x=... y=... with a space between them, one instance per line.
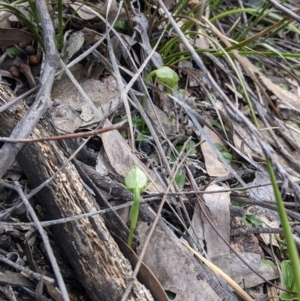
x=213 y=163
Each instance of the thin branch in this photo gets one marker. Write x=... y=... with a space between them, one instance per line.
x=45 y=239
x=26 y=125
x=71 y=218
x=67 y=136
x=28 y=272
x=147 y=198
x=20 y=97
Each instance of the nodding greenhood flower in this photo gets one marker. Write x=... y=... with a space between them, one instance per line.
x=135 y=178
x=166 y=76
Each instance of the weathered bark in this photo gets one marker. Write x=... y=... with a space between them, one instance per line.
x=89 y=247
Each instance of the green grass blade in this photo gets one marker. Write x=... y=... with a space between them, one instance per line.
x=291 y=247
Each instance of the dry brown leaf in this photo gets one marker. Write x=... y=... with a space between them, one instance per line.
x=74 y=43
x=122 y=159
x=246 y=144
x=171 y=265
x=241 y=274
x=74 y=112
x=12 y=36
x=269 y=217
x=214 y=166
x=196 y=228
x=218 y=205
x=158 y=117
x=283 y=95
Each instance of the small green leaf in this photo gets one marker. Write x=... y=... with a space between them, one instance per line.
x=122 y=26
x=268 y=262
x=184 y=93
x=287 y=296
x=135 y=178
x=179 y=148
x=287 y=274
x=118 y=119
x=12 y=52
x=219 y=146
x=173 y=158
x=124 y=134
x=171 y=295
x=171 y=118
x=253 y=220
x=146 y=131
x=214 y=4
x=190 y=149
x=142 y=137
x=227 y=156
x=216 y=124
x=238 y=203
x=283 y=86
x=180 y=180
x=246 y=222
x=137 y=122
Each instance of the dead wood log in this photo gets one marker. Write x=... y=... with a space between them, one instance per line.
x=89 y=247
